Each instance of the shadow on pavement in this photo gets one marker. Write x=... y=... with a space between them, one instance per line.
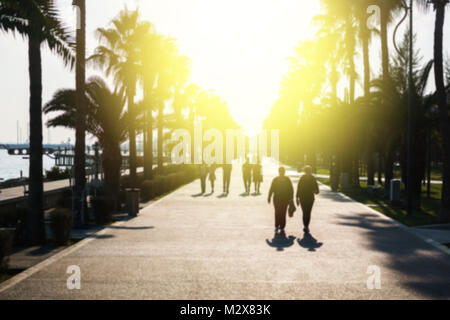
x=130 y=228
x=309 y=242
x=197 y=195
x=425 y=269
x=280 y=241
x=336 y=196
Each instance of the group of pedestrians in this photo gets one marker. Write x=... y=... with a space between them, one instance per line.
x=209 y=172
x=281 y=189
x=250 y=171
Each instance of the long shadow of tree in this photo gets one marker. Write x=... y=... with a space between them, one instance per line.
x=426 y=270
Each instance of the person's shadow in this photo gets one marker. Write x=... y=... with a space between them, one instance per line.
x=280 y=241
x=309 y=242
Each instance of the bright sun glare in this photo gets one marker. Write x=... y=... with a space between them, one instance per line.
x=238 y=48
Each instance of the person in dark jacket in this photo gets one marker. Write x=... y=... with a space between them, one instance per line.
x=283 y=193
x=203 y=175
x=247 y=175
x=257 y=176
x=212 y=176
x=227 y=167
x=307 y=188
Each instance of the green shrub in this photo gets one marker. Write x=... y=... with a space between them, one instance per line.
x=103 y=208
x=65 y=201
x=6 y=239
x=8 y=216
x=61 y=220
x=56 y=173
x=148 y=190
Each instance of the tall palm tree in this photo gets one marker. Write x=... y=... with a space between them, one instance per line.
x=119 y=56
x=39 y=22
x=344 y=13
x=365 y=37
x=388 y=8
x=444 y=118
x=106 y=120
x=80 y=128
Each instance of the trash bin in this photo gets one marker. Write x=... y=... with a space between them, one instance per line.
x=133 y=202
x=394 y=192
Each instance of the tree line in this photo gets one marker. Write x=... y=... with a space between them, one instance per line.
x=316 y=118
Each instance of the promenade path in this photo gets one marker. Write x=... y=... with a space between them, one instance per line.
x=18 y=192
x=188 y=246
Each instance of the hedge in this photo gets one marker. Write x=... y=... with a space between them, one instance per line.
x=163 y=184
x=61 y=220
x=6 y=239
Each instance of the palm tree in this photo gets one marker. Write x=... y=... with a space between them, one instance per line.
x=119 y=56
x=38 y=21
x=344 y=13
x=388 y=8
x=105 y=119
x=444 y=118
x=365 y=37
x=80 y=128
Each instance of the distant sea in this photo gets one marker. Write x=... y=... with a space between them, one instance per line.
x=10 y=166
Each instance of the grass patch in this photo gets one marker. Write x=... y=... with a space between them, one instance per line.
x=428 y=213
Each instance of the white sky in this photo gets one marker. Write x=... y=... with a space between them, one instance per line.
x=238 y=48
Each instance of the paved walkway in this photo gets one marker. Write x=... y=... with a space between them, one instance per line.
x=18 y=192
x=188 y=246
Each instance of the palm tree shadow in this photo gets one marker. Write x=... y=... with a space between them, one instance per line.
x=280 y=241
x=309 y=242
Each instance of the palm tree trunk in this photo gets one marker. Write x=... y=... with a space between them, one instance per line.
x=160 y=138
x=132 y=136
x=388 y=159
x=80 y=132
x=35 y=218
x=384 y=43
x=148 y=153
x=442 y=103
x=366 y=61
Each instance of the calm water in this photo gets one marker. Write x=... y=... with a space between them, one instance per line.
x=10 y=166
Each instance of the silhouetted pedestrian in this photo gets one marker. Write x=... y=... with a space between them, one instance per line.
x=257 y=176
x=247 y=175
x=227 y=167
x=307 y=188
x=212 y=176
x=283 y=193
x=203 y=175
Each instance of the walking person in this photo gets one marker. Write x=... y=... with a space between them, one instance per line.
x=212 y=176
x=257 y=176
x=283 y=193
x=306 y=189
x=227 y=167
x=247 y=175
x=203 y=175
